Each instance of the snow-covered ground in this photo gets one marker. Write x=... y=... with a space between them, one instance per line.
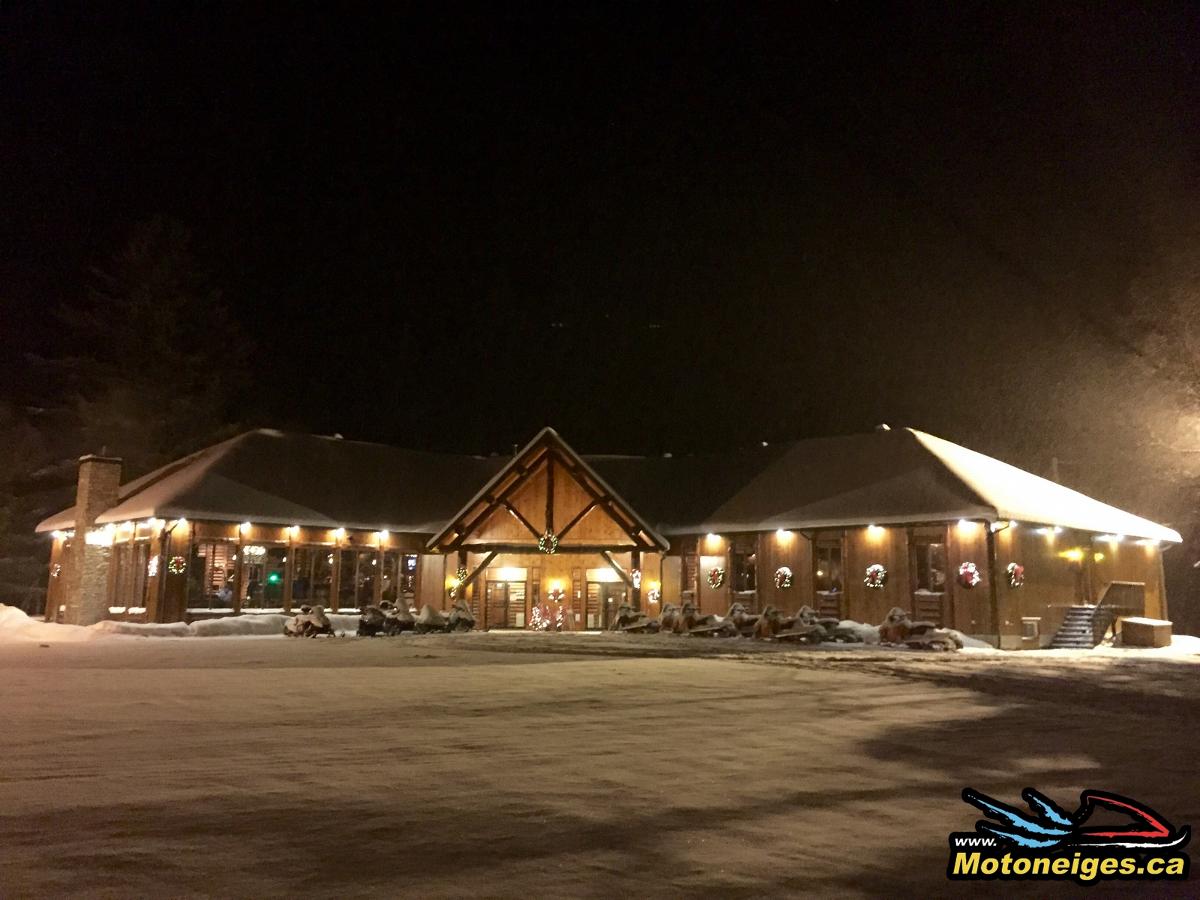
x=550 y=765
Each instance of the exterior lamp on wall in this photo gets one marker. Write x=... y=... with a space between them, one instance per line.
x=875 y=532
x=783 y=536
x=293 y=531
x=244 y=528
x=339 y=533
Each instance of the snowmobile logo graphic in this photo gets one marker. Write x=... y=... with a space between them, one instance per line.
x=1049 y=842
x=1051 y=828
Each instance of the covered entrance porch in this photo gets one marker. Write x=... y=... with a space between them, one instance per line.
x=547 y=545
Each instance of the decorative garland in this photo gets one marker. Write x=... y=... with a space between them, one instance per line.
x=968 y=575
x=55 y=570
x=177 y=565
x=783 y=578
x=876 y=576
x=635 y=578
x=548 y=542
x=1016 y=574
x=716 y=577
x=460 y=577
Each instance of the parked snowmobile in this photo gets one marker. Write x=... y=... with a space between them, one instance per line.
x=667 y=618
x=714 y=626
x=631 y=621
x=899 y=628
x=371 y=621
x=311 y=621
x=397 y=618
x=808 y=627
x=430 y=620
x=743 y=620
x=769 y=623
x=459 y=618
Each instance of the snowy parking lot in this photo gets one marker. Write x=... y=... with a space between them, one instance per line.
x=551 y=765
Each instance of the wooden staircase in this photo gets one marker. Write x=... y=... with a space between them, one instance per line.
x=1079 y=629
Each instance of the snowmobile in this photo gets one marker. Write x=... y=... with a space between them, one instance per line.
x=397 y=618
x=667 y=618
x=460 y=618
x=311 y=621
x=371 y=621
x=631 y=621
x=743 y=620
x=808 y=627
x=899 y=628
x=712 y=625
x=769 y=623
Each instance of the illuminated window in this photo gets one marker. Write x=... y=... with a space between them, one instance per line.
x=927 y=568
x=828 y=585
x=312 y=576
x=744 y=564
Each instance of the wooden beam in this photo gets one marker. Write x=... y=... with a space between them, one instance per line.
x=635 y=563
x=520 y=518
x=550 y=493
x=562 y=551
x=490 y=501
x=487 y=560
x=616 y=567
x=578 y=516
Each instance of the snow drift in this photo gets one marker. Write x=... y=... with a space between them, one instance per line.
x=16 y=626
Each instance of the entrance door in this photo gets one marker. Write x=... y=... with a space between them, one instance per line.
x=603 y=600
x=497 y=604
x=614 y=596
x=505 y=602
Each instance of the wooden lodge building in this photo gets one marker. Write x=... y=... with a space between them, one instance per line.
x=852 y=526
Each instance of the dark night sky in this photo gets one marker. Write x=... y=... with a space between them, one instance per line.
x=679 y=226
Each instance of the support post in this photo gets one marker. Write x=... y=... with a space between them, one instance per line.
x=993 y=592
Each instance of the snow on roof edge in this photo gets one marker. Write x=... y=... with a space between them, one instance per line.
x=1025 y=497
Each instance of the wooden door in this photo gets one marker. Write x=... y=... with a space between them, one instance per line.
x=496 y=605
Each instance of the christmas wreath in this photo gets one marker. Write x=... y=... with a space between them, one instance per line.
x=548 y=542
x=654 y=595
x=177 y=565
x=1016 y=574
x=783 y=578
x=876 y=576
x=716 y=577
x=968 y=575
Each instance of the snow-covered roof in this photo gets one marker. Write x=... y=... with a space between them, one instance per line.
x=902 y=476
x=272 y=477
x=1018 y=495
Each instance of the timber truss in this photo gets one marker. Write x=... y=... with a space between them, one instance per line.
x=547 y=499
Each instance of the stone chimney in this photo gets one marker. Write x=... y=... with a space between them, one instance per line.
x=87 y=576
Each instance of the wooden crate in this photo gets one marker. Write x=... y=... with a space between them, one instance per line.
x=1137 y=631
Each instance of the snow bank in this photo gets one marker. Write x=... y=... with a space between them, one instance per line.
x=970 y=642
x=868 y=634
x=16 y=627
